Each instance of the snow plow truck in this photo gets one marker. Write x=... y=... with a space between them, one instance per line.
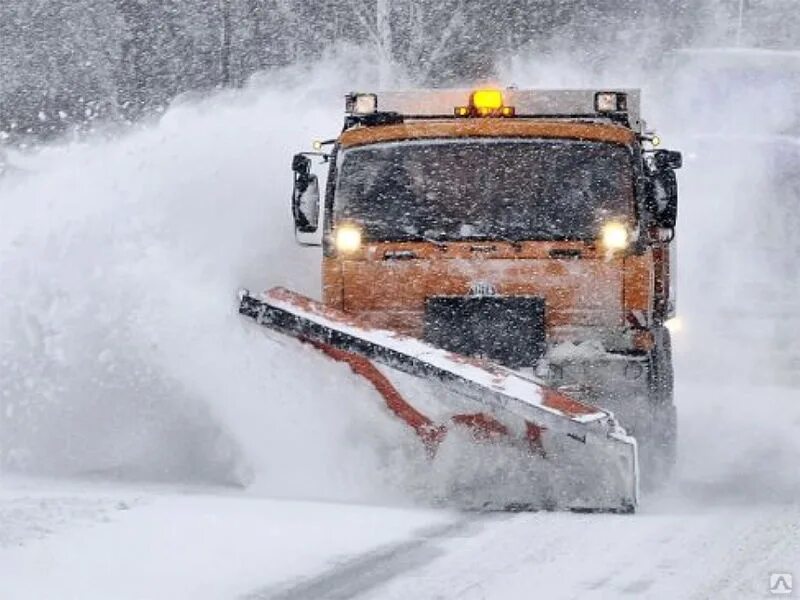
x=499 y=263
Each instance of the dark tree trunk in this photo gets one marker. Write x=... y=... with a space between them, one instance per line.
x=132 y=77
x=225 y=45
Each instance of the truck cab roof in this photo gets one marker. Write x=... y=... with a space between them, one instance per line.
x=618 y=107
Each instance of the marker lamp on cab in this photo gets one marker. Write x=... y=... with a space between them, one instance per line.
x=605 y=102
x=614 y=236
x=348 y=238
x=361 y=104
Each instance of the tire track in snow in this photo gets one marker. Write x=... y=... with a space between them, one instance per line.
x=361 y=574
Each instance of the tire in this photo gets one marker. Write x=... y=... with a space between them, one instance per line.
x=661 y=377
x=658 y=435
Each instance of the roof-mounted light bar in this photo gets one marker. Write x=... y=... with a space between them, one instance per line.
x=619 y=106
x=360 y=104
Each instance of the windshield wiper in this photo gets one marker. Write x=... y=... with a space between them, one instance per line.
x=516 y=244
x=437 y=238
x=441 y=239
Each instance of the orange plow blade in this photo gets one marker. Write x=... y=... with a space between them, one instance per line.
x=568 y=455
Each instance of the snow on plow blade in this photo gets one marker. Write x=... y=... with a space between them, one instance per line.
x=576 y=456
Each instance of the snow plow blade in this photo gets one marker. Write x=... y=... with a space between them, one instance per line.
x=576 y=456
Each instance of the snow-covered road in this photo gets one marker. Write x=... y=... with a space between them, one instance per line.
x=688 y=553
x=100 y=542
x=729 y=520
x=85 y=541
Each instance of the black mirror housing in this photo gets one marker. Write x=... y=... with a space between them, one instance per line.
x=305 y=196
x=662 y=188
x=662 y=198
x=301 y=164
x=667 y=159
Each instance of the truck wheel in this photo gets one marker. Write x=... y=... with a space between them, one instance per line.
x=658 y=437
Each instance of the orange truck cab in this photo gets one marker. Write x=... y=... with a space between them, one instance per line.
x=531 y=227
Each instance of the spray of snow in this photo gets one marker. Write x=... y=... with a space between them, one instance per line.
x=121 y=349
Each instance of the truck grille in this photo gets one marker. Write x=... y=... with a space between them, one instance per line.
x=510 y=330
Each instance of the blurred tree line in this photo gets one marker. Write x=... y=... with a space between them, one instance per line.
x=67 y=63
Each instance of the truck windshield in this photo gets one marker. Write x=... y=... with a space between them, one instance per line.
x=484 y=189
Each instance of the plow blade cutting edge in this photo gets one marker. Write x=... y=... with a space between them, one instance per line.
x=576 y=456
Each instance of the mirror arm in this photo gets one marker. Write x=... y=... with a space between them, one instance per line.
x=325 y=156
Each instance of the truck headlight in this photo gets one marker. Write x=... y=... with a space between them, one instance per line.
x=615 y=236
x=348 y=238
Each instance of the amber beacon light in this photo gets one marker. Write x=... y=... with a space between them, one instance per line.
x=485 y=103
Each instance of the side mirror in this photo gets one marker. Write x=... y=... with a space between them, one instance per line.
x=662 y=188
x=305 y=195
x=662 y=198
